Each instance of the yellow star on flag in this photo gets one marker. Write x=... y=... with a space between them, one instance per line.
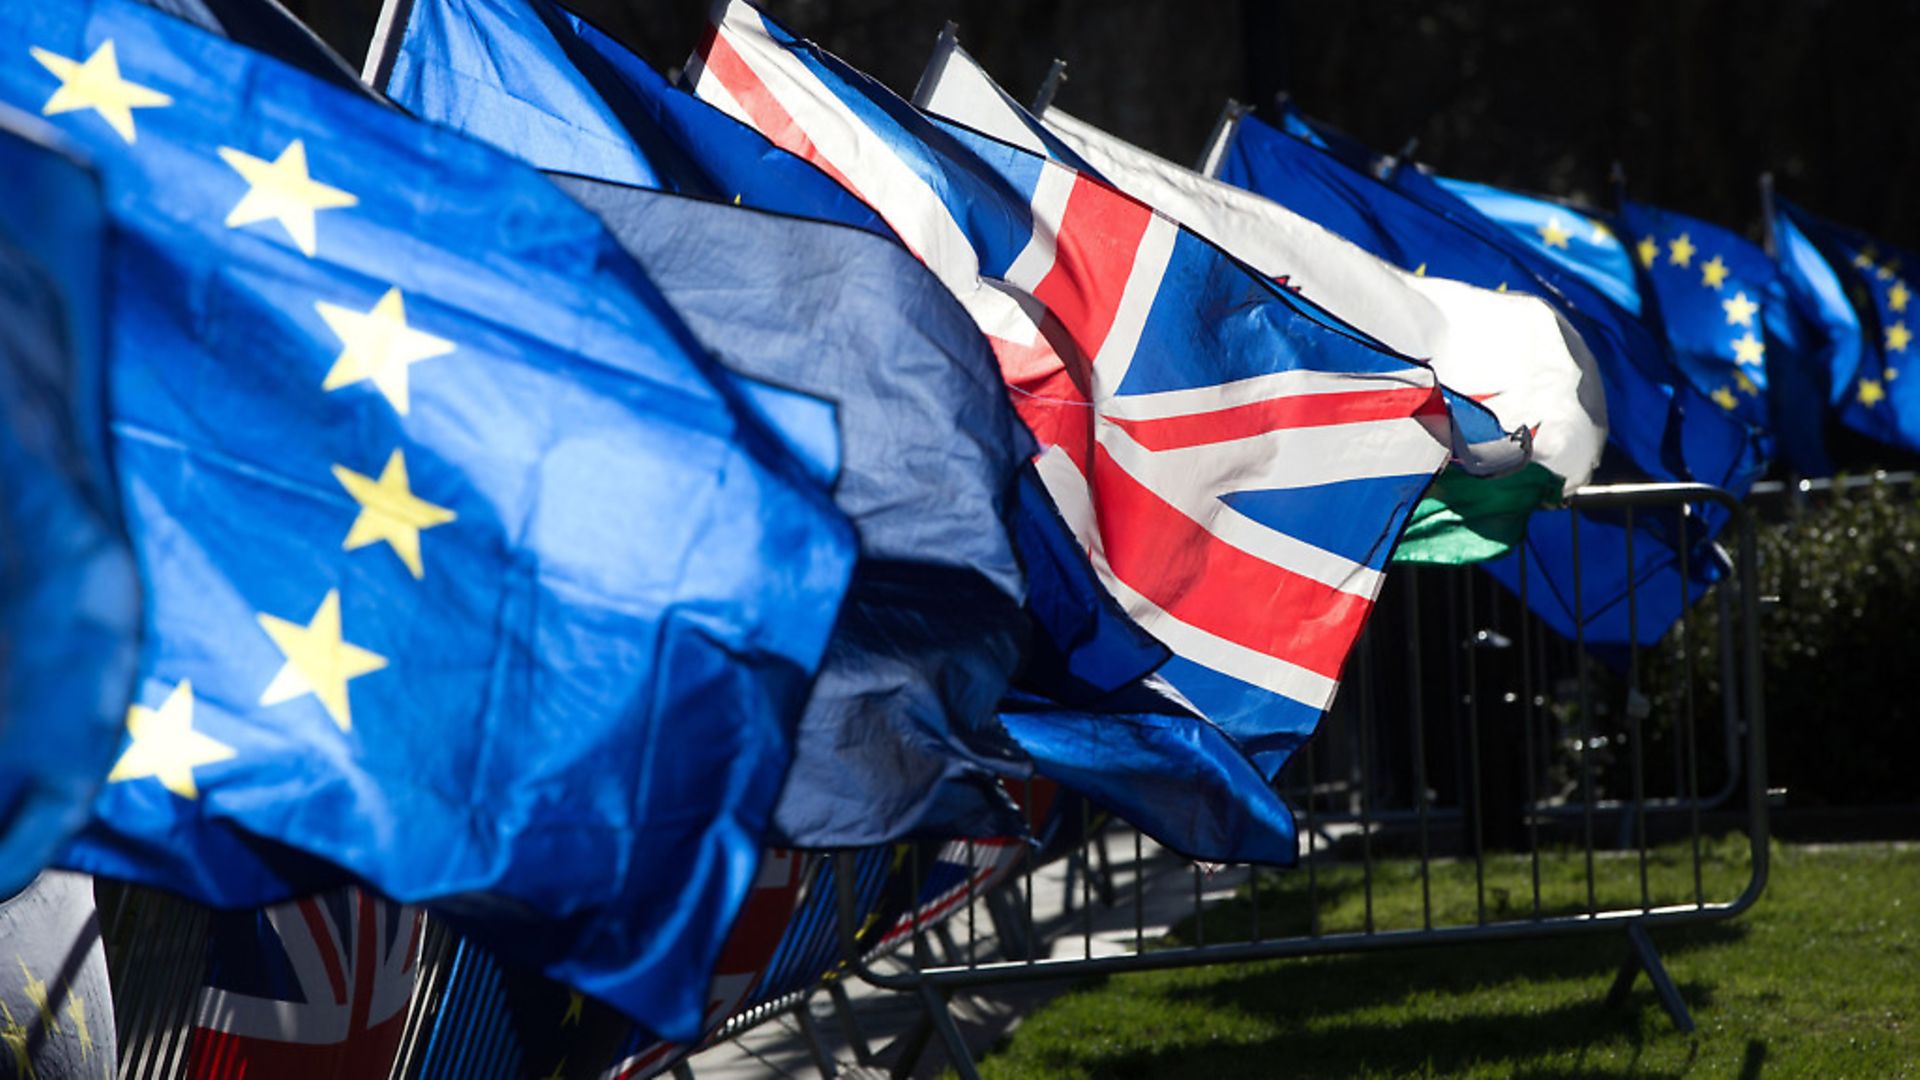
x=1890 y=374
x=1748 y=349
x=36 y=990
x=1554 y=234
x=281 y=190
x=1898 y=296
x=1601 y=234
x=1864 y=260
x=319 y=662
x=379 y=346
x=1870 y=393
x=15 y=1039
x=390 y=511
x=1680 y=250
x=166 y=747
x=1887 y=270
x=1713 y=273
x=96 y=84
x=77 y=1015
x=1724 y=398
x=1897 y=337
x=1649 y=250
x=576 y=1009
x=1747 y=386
x=1420 y=271
x=1739 y=309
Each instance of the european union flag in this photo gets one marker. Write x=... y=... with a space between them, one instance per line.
x=1664 y=427
x=69 y=600
x=1713 y=295
x=1854 y=292
x=1733 y=332
x=550 y=88
x=469 y=574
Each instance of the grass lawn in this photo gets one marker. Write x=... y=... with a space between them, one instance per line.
x=1821 y=979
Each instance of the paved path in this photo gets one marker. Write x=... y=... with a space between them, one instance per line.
x=1166 y=890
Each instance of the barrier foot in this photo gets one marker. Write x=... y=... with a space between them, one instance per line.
x=681 y=1071
x=1641 y=956
x=958 y=1055
x=803 y=1016
x=849 y=1022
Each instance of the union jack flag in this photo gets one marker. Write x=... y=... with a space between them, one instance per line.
x=316 y=988
x=1237 y=463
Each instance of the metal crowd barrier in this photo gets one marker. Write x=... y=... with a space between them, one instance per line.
x=1577 y=795
x=1469 y=743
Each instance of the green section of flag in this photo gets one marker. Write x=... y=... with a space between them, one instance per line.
x=1469 y=519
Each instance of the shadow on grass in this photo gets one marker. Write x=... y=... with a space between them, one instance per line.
x=1323 y=1012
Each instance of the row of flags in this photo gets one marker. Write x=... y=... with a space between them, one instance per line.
x=543 y=493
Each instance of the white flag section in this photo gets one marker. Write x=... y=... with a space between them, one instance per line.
x=1512 y=353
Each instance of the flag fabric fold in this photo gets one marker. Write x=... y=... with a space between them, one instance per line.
x=899 y=736
x=486 y=597
x=69 y=596
x=1658 y=423
x=1853 y=295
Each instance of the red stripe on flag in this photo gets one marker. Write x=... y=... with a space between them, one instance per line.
x=1275 y=414
x=327 y=947
x=1094 y=247
x=768 y=116
x=1189 y=573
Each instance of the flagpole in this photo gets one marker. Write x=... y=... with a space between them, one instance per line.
x=1767 y=237
x=943 y=47
x=388 y=31
x=1050 y=86
x=1222 y=134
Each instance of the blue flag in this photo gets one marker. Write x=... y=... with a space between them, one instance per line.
x=1735 y=336
x=899 y=736
x=69 y=600
x=553 y=90
x=1658 y=422
x=486 y=596
x=1853 y=293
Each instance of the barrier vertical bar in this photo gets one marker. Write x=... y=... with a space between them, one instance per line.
x=1693 y=738
x=1528 y=713
x=1636 y=726
x=1586 y=712
x=1366 y=789
x=1417 y=717
x=1313 y=864
x=1478 y=805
